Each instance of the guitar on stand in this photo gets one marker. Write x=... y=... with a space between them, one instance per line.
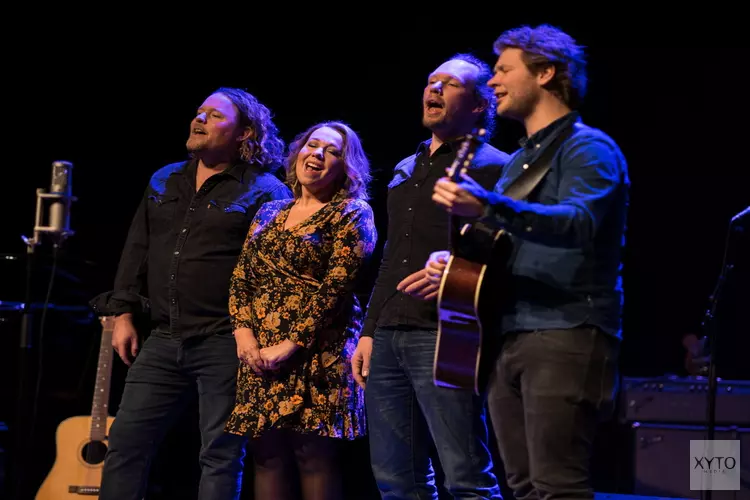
x=82 y=441
x=476 y=282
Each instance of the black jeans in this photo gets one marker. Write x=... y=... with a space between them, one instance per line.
x=547 y=393
x=157 y=389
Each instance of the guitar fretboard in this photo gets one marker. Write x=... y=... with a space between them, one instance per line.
x=100 y=404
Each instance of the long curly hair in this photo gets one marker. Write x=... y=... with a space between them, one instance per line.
x=358 y=175
x=264 y=147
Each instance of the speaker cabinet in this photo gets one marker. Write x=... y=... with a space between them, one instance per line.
x=662 y=460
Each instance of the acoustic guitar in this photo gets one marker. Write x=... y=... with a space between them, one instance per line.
x=469 y=298
x=476 y=285
x=82 y=441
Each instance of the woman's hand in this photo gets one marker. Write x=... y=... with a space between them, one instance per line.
x=273 y=356
x=247 y=349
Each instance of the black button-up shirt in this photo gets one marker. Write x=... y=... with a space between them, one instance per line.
x=183 y=245
x=417 y=226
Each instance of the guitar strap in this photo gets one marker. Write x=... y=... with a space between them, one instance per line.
x=525 y=183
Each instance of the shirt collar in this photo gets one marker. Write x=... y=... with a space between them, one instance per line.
x=236 y=170
x=446 y=147
x=549 y=132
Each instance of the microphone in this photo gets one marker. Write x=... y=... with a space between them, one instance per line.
x=60 y=198
x=59 y=210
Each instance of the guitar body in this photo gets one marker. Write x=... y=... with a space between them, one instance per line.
x=82 y=442
x=77 y=470
x=470 y=302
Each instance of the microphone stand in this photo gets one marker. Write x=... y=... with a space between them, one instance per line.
x=24 y=424
x=31 y=244
x=711 y=334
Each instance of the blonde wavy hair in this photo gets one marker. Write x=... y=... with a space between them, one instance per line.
x=358 y=175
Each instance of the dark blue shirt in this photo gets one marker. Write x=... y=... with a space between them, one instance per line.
x=568 y=235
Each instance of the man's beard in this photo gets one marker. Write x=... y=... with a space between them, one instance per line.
x=431 y=122
x=195 y=144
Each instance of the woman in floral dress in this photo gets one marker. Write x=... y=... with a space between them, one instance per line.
x=297 y=320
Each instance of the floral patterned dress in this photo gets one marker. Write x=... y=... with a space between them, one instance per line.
x=298 y=284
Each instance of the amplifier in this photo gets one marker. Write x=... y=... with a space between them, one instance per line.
x=620 y=496
x=684 y=400
x=662 y=460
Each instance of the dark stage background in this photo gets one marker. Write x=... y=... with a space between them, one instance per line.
x=119 y=106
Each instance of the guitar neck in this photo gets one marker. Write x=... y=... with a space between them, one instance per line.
x=100 y=404
x=462 y=162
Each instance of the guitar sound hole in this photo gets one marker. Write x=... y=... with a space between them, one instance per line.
x=93 y=452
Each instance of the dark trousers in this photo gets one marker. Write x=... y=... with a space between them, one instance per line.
x=406 y=411
x=546 y=396
x=157 y=390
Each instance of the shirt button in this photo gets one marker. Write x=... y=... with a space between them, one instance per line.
x=525 y=166
x=538 y=146
x=177 y=253
x=171 y=277
x=405 y=261
x=192 y=209
x=416 y=185
x=407 y=235
x=184 y=230
x=528 y=229
x=409 y=209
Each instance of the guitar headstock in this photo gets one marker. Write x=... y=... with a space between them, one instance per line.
x=465 y=153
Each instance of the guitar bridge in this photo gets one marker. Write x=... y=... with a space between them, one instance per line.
x=84 y=490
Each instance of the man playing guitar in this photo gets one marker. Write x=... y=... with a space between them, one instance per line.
x=555 y=372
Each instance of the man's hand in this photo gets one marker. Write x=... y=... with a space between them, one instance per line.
x=466 y=199
x=419 y=286
x=273 y=356
x=247 y=349
x=125 y=338
x=436 y=265
x=361 y=360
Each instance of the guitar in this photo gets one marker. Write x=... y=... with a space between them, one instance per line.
x=469 y=297
x=82 y=441
x=476 y=283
